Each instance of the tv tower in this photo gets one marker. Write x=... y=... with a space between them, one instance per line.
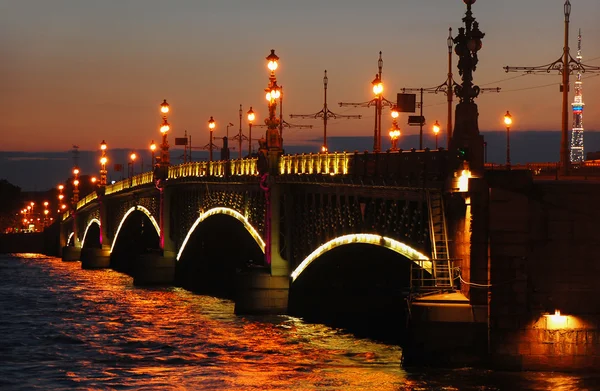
x=577 y=132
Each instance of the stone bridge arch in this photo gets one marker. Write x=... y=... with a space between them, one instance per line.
x=87 y=228
x=70 y=238
x=223 y=211
x=126 y=215
x=363 y=238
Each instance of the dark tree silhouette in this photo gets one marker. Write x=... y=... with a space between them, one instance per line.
x=10 y=199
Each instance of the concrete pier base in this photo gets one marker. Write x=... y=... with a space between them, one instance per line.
x=154 y=269
x=95 y=258
x=71 y=253
x=258 y=292
x=446 y=330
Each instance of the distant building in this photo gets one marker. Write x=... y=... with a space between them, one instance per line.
x=577 y=132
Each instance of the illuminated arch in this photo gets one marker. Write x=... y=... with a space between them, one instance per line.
x=229 y=212
x=69 y=238
x=130 y=211
x=377 y=240
x=87 y=228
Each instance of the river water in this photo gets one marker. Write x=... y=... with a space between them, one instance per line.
x=64 y=328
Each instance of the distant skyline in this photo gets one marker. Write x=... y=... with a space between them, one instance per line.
x=79 y=72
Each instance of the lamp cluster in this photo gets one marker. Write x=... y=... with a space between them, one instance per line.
x=33 y=220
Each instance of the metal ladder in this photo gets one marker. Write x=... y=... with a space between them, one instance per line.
x=441 y=264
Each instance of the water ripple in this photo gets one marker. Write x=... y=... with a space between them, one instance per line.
x=65 y=328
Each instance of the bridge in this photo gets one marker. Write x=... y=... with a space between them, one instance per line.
x=485 y=263
x=211 y=223
x=474 y=263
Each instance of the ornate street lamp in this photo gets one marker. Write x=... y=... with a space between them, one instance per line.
x=60 y=195
x=394 y=136
x=103 y=161
x=395 y=130
x=378 y=101
x=211 y=127
x=508 y=121
x=75 y=185
x=466 y=131
x=273 y=92
x=251 y=118
x=132 y=158
x=378 y=91
x=164 y=129
x=436 y=130
x=152 y=149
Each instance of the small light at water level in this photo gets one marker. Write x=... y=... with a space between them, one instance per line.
x=556 y=321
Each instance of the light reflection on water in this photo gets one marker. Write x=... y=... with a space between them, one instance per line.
x=64 y=328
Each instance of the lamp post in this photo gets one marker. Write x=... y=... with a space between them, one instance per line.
x=61 y=196
x=274 y=142
x=103 y=160
x=152 y=149
x=468 y=43
x=132 y=158
x=436 y=130
x=395 y=130
x=164 y=129
x=211 y=127
x=227 y=130
x=507 y=121
x=379 y=101
x=46 y=211
x=377 y=90
x=324 y=113
x=75 y=185
x=251 y=118
x=240 y=136
x=394 y=136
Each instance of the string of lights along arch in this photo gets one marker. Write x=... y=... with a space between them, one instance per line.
x=577 y=152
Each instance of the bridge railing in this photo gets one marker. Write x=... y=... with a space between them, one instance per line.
x=244 y=167
x=315 y=163
x=89 y=198
x=584 y=170
x=137 y=180
x=197 y=169
x=412 y=165
x=221 y=168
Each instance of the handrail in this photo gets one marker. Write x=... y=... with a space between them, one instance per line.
x=335 y=163
x=248 y=166
x=137 y=180
x=215 y=169
x=117 y=186
x=89 y=198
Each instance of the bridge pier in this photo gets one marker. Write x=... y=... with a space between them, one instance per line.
x=445 y=329
x=259 y=292
x=95 y=258
x=154 y=269
x=266 y=290
x=279 y=266
x=71 y=253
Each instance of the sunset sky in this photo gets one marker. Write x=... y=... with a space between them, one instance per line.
x=80 y=71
